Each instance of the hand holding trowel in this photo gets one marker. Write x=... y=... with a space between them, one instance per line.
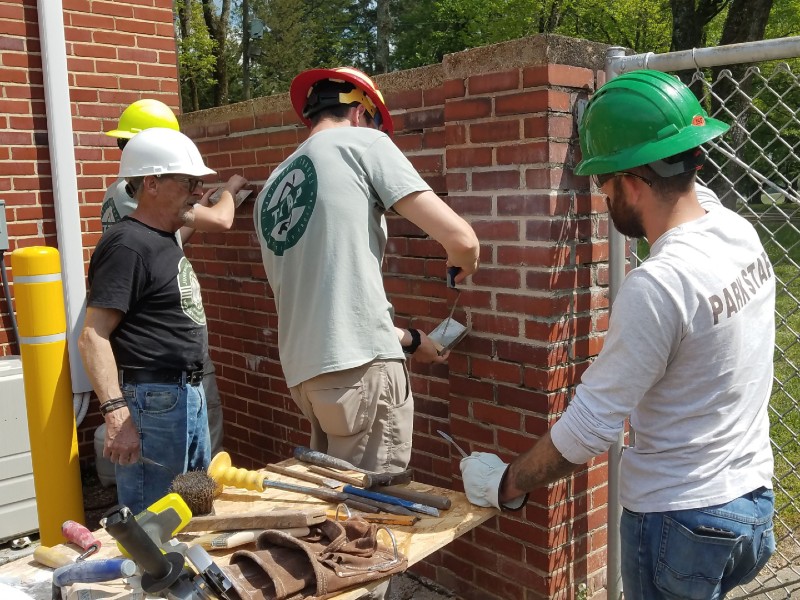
x=449 y=332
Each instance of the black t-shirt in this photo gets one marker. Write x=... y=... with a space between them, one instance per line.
x=143 y=272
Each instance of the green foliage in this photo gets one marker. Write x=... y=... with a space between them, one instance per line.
x=196 y=49
x=303 y=34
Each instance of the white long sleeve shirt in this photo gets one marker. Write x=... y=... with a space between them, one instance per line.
x=688 y=355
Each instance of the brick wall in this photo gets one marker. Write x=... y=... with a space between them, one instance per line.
x=493 y=131
x=117 y=52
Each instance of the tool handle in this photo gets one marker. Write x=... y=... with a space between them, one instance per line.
x=339 y=475
x=92 y=571
x=451 y=276
x=52 y=557
x=221 y=471
x=313 y=457
x=435 y=500
x=123 y=527
x=321 y=493
x=375 y=505
x=301 y=475
x=415 y=506
x=78 y=534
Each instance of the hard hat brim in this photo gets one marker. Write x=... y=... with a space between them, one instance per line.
x=649 y=152
x=120 y=133
x=298 y=92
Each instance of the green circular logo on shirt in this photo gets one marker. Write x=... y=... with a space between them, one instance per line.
x=191 y=298
x=287 y=205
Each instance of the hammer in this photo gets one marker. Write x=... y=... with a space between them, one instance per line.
x=371 y=479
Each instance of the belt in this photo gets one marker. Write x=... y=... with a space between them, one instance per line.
x=169 y=376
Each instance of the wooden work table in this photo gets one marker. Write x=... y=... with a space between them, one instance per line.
x=416 y=542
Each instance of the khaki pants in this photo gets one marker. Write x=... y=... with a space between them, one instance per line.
x=363 y=415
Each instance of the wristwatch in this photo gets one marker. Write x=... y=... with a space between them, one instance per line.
x=416 y=340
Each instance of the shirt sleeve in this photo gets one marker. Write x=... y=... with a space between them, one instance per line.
x=644 y=332
x=390 y=173
x=116 y=277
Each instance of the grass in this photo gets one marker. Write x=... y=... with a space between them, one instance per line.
x=781 y=239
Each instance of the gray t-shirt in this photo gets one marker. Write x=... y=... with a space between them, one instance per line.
x=321 y=225
x=688 y=356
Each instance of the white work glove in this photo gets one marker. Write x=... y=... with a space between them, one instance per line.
x=483 y=474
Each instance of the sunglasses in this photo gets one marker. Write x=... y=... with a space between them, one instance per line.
x=191 y=182
x=601 y=180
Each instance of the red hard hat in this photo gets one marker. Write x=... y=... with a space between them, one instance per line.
x=302 y=85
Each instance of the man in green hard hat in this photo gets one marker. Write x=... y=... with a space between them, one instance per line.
x=687 y=356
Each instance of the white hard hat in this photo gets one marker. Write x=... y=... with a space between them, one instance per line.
x=158 y=151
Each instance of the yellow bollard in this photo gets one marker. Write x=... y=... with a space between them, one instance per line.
x=42 y=327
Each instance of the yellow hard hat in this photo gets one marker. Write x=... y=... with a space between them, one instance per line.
x=144 y=114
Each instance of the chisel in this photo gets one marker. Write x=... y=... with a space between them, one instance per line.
x=415 y=506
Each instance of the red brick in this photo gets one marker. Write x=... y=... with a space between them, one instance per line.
x=458 y=158
x=12 y=44
x=560 y=75
x=454 y=88
x=434 y=96
x=494 y=131
x=515 y=154
x=455 y=134
x=90 y=21
x=493 y=82
x=416 y=120
x=532 y=102
x=470 y=108
x=405 y=99
x=496 y=180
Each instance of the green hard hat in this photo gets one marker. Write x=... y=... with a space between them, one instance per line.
x=640 y=118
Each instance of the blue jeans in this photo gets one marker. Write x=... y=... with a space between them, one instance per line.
x=697 y=554
x=173 y=430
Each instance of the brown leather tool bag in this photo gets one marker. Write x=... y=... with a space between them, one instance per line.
x=335 y=556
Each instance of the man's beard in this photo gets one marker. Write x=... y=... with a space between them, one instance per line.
x=627 y=221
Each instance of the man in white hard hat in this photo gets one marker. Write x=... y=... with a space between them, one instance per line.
x=143 y=339
x=137 y=117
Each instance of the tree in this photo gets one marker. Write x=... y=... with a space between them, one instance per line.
x=217 y=25
x=196 y=53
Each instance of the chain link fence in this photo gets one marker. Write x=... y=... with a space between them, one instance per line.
x=755 y=171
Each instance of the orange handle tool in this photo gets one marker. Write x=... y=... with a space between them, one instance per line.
x=78 y=534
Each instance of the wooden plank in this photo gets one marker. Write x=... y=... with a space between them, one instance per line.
x=428 y=535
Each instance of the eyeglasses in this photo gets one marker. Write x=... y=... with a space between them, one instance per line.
x=602 y=179
x=191 y=182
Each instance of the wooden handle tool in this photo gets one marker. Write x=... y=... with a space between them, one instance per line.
x=234 y=539
x=276 y=519
x=304 y=476
x=380 y=519
x=401 y=491
x=371 y=478
x=339 y=476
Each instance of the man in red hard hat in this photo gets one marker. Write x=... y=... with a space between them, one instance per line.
x=320 y=219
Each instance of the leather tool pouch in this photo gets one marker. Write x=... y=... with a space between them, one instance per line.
x=335 y=556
